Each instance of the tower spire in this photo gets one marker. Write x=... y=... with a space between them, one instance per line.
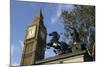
x=39 y=15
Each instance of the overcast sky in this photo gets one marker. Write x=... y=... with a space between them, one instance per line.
x=22 y=14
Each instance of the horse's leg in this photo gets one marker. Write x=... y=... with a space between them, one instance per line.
x=48 y=45
x=55 y=51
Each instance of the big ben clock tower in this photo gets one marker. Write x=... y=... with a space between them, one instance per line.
x=35 y=41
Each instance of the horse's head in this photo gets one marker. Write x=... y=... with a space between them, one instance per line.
x=53 y=33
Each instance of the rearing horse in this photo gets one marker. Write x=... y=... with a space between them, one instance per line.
x=59 y=47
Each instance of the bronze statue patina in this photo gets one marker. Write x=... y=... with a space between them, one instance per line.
x=59 y=47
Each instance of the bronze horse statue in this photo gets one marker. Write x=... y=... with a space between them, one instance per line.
x=59 y=47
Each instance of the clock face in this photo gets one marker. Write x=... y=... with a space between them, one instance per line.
x=31 y=32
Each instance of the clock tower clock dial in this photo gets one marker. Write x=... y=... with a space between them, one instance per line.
x=31 y=32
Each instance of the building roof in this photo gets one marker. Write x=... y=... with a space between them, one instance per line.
x=68 y=55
